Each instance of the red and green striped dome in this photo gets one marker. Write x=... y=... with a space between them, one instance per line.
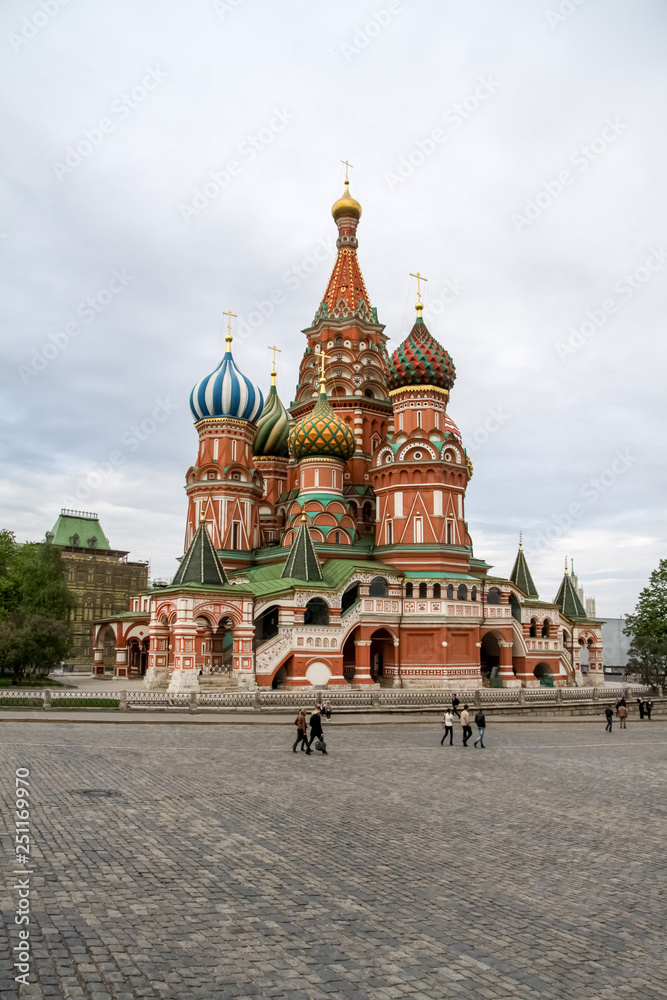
x=421 y=360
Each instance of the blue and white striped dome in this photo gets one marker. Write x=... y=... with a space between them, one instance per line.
x=226 y=392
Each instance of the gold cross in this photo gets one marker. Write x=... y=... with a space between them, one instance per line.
x=273 y=366
x=418 y=306
x=322 y=379
x=347 y=167
x=229 y=314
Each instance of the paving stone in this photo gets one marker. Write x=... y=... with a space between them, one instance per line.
x=224 y=865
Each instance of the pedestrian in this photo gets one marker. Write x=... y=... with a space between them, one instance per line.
x=466 y=727
x=620 y=703
x=449 y=728
x=327 y=709
x=301 y=730
x=455 y=705
x=609 y=712
x=623 y=714
x=480 y=722
x=316 y=734
x=640 y=706
x=648 y=708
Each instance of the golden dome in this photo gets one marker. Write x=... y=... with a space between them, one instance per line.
x=346 y=206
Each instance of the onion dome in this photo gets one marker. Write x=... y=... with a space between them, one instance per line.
x=226 y=392
x=272 y=427
x=322 y=434
x=451 y=428
x=346 y=205
x=421 y=360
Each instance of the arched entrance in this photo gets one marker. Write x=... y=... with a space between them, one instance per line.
x=350 y=656
x=489 y=656
x=544 y=674
x=382 y=653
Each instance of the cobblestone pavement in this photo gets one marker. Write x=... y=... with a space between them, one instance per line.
x=205 y=862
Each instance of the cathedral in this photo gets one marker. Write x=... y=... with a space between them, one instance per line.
x=326 y=544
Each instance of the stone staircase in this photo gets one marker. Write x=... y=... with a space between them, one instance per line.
x=216 y=682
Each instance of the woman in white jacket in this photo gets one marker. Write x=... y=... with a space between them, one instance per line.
x=449 y=728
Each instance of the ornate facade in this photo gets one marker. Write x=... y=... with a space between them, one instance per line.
x=328 y=545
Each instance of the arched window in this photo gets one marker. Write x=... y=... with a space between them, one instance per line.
x=450 y=592
x=316 y=613
x=493 y=596
x=379 y=587
x=437 y=590
x=423 y=591
x=462 y=592
x=339 y=341
x=350 y=597
x=409 y=590
x=532 y=631
x=473 y=594
x=337 y=538
x=546 y=629
x=515 y=605
x=566 y=638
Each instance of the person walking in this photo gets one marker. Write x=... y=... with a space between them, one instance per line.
x=621 y=701
x=316 y=733
x=327 y=709
x=480 y=722
x=449 y=728
x=622 y=715
x=465 y=724
x=648 y=708
x=640 y=706
x=455 y=705
x=301 y=730
x=609 y=712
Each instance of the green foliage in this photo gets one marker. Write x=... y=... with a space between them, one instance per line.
x=32 y=645
x=647 y=629
x=35 y=608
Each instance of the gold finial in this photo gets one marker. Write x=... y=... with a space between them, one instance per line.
x=273 y=366
x=521 y=541
x=202 y=508
x=347 y=167
x=419 y=306
x=566 y=572
x=303 y=517
x=228 y=338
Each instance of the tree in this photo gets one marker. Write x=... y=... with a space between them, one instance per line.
x=35 y=608
x=647 y=629
x=32 y=645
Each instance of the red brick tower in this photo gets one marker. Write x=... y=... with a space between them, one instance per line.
x=346 y=329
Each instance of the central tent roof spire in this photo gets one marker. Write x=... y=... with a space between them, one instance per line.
x=346 y=284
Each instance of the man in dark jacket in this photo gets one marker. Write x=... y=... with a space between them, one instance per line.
x=648 y=708
x=455 y=705
x=640 y=706
x=609 y=713
x=480 y=722
x=316 y=731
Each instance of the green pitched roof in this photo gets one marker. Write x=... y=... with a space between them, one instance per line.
x=302 y=562
x=520 y=575
x=78 y=528
x=568 y=600
x=200 y=563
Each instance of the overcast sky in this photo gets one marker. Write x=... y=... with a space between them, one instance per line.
x=165 y=161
